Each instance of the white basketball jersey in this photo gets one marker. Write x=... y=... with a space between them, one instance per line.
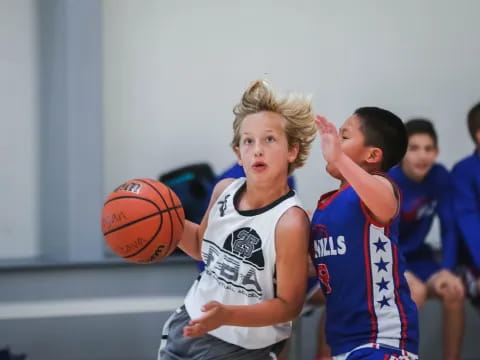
x=238 y=250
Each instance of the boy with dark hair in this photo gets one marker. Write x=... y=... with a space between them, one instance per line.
x=466 y=182
x=426 y=193
x=370 y=314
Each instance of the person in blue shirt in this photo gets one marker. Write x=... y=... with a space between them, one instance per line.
x=466 y=184
x=426 y=193
x=354 y=240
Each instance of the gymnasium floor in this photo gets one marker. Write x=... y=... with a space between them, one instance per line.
x=116 y=311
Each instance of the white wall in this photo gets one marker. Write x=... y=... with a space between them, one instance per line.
x=18 y=129
x=173 y=71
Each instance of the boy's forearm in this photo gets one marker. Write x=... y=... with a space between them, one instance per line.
x=266 y=313
x=449 y=244
x=189 y=242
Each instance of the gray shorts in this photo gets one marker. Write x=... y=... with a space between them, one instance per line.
x=174 y=346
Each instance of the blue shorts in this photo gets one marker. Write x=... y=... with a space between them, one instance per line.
x=422 y=263
x=381 y=353
x=423 y=268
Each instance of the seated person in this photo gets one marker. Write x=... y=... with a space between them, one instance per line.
x=426 y=193
x=466 y=184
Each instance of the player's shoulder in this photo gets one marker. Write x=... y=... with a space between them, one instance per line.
x=221 y=186
x=438 y=178
x=388 y=180
x=465 y=165
x=293 y=217
x=439 y=169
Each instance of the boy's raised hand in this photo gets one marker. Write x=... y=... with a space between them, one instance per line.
x=330 y=141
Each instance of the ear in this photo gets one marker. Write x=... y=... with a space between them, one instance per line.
x=374 y=155
x=237 y=153
x=293 y=152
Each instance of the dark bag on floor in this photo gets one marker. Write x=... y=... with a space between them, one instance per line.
x=193 y=185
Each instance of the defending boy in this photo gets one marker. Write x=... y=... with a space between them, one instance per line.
x=370 y=314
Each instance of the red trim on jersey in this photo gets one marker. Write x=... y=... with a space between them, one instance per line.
x=328 y=197
x=399 y=196
x=369 y=216
x=396 y=190
x=368 y=272
x=387 y=232
x=404 y=322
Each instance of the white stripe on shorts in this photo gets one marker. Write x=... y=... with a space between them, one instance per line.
x=166 y=328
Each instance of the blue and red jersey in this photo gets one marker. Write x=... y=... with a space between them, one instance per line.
x=360 y=269
x=421 y=202
x=466 y=184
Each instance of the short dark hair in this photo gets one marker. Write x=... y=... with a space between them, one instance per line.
x=385 y=130
x=474 y=121
x=421 y=126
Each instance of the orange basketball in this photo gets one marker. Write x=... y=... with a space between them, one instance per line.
x=142 y=220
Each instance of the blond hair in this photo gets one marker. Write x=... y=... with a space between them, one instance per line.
x=296 y=109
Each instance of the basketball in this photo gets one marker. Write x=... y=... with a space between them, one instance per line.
x=142 y=221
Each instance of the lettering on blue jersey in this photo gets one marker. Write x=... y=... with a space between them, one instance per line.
x=324 y=277
x=423 y=207
x=326 y=245
x=329 y=246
